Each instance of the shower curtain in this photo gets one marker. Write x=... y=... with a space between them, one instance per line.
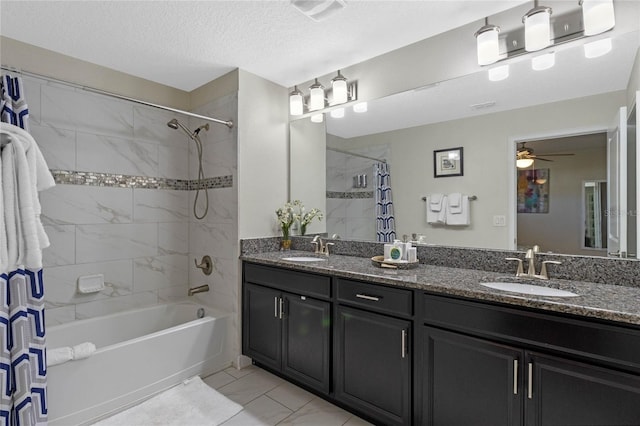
x=23 y=172
x=385 y=222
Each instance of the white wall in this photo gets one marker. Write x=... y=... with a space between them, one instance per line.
x=486 y=140
x=263 y=155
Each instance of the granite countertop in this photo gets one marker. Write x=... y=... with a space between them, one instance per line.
x=602 y=301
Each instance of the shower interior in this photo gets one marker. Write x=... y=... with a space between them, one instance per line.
x=194 y=136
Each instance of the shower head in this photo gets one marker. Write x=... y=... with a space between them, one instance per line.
x=173 y=124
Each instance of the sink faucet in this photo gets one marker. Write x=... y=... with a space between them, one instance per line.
x=531 y=270
x=199 y=289
x=320 y=246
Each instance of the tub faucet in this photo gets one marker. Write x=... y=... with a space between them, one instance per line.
x=199 y=289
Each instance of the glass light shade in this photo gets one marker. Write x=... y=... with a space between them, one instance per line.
x=339 y=88
x=598 y=16
x=537 y=30
x=523 y=163
x=317 y=118
x=316 y=96
x=360 y=107
x=337 y=113
x=487 y=45
x=499 y=73
x=597 y=48
x=543 y=62
x=296 y=102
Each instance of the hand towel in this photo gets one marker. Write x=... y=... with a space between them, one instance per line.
x=437 y=215
x=4 y=258
x=83 y=350
x=463 y=218
x=59 y=355
x=453 y=202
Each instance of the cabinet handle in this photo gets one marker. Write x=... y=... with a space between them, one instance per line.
x=530 y=384
x=366 y=297
x=275 y=306
x=404 y=343
x=515 y=376
x=281 y=307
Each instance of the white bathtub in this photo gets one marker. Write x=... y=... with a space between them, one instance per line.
x=139 y=353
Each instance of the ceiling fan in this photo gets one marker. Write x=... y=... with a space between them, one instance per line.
x=525 y=156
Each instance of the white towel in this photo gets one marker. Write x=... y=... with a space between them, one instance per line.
x=59 y=355
x=436 y=208
x=24 y=173
x=461 y=218
x=453 y=202
x=83 y=350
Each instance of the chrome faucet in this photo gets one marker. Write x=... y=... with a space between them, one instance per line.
x=320 y=246
x=199 y=289
x=531 y=270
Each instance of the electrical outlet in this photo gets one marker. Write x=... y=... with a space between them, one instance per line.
x=499 y=220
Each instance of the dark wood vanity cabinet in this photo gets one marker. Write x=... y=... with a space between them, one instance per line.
x=373 y=361
x=484 y=365
x=288 y=331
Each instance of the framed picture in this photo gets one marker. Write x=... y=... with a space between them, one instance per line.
x=447 y=162
x=533 y=191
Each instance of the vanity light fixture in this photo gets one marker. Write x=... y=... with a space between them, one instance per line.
x=487 y=43
x=523 y=163
x=296 y=102
x=317 y=118
x=597 y=16
x=499 y=73
x=537 y=28
x=360 y=107
x=316 y=96
x=597 y=48
x=543 y=62
x=340 y=90
x=337 y=113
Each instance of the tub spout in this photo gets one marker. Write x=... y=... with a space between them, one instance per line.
x=199 y=289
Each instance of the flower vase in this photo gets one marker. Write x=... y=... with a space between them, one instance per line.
x=285 y=244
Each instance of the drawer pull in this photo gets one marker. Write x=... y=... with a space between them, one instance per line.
x=275 y=306
x=530 y=384
x=367 y=297
x=515 y=376
x=281 y=307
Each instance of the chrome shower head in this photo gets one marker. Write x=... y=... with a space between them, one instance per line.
x=173 y=124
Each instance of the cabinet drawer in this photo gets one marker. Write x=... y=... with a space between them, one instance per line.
x=302 y=283
x=376 y=297
x=608 y=343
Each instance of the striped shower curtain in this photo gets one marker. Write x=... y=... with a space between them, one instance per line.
x=23 y=387
x=385 y=222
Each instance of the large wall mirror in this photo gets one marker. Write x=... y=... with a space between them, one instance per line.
x=567 y=109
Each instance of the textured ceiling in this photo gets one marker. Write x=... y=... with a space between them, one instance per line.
x=185 y=44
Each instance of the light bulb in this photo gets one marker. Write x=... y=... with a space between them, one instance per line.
x=316 y=96
x=523 y=163
x=487 y=44
x=598 y=16
x=339 y=88
x=537 y=29
x=296 y=103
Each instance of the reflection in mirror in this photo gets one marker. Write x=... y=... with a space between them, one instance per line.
x=594 y=208
x=487 y=119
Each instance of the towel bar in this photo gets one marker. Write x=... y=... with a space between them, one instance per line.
x=471 y=198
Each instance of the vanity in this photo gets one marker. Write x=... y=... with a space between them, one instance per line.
x=431 y=346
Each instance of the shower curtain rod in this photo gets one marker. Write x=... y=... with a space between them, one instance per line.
x=356 y=155
x=228 y=123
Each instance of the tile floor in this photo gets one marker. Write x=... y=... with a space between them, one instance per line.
x=270 y=400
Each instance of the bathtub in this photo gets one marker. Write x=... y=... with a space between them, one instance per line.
x=138 y=353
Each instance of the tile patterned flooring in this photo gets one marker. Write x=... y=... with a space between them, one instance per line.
x=270 y=400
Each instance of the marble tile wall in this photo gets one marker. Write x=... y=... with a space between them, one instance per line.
x=143 y=238
x=351 y=211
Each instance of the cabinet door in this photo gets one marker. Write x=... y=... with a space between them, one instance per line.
x=373 y=365
x=306 y=341
x=564 y=392
x=262 y=327
x=469 y=381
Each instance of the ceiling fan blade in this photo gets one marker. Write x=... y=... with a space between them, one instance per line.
x=542 y=159
x=555 y=155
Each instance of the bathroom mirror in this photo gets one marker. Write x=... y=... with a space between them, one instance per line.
x=488 y=119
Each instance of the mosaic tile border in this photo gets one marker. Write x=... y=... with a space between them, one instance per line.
x=349 y=195
x=72 y=177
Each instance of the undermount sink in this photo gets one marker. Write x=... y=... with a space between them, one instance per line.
x=304 y=259
x=529 y=289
